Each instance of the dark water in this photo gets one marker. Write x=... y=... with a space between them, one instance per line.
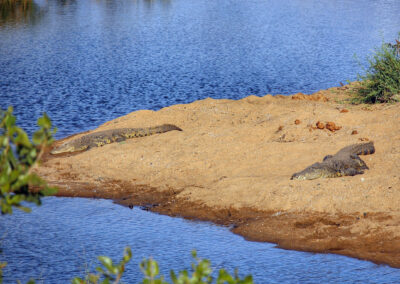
x=86 y=62
x=57 y=240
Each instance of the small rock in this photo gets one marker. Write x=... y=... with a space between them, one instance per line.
x=363 y=139
x=320 y=125
x=354 y=132
x=332 y=126
x=297 y=121
x=344 y=110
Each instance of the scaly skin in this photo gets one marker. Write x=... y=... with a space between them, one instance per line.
x=102 y=138
x=346 y=162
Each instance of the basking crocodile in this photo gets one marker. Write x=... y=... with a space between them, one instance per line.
x=102 y=138
x=346 y=162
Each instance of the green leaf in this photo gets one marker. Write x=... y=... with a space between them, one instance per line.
x=44 y=121
x=38 y=137
x=16 y=199
x=77 y=280
x=173 y=276
x=93 y=278
x=106 y=261
x=4 y=142
x=6 y=208
x=48 y=191
x=127 y=254
x=25 y=209
x=22 y=139
x=223 y=277
x=9 y=120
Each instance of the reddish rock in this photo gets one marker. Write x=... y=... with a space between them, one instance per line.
x=332 y=126
x=320 y=125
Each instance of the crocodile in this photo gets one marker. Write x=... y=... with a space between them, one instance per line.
x=346 y=162
x=101 y=138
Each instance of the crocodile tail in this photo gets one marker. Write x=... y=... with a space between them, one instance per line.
x=359 y=149
x=365 y=149
x=163 y=128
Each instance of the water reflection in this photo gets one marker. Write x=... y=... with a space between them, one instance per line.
x=150 y=3
x=66 y=2
x=19 y=12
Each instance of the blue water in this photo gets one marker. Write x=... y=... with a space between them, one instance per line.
x=86 y=62
x=57 y=240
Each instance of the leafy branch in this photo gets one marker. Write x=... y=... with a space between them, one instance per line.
x=18 y=157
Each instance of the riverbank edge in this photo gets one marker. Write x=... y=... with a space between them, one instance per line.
x=302 y=231
x=369 y=236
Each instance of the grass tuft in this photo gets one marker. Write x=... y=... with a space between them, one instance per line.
x=381 y=84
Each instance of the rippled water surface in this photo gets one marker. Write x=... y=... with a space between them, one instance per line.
x=89 y=61
x=57 y=240
x=86 y=62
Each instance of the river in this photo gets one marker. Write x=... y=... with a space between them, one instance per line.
x=87 y=62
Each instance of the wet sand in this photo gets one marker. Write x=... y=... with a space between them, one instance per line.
x=232 y=165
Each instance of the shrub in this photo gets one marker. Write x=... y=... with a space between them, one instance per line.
x=200 y=273
x=381 y=83
x=18 y=157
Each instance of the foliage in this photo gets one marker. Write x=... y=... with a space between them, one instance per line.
x=18 y=157
x=381 y=83
x=109 y=271
x=201 y=273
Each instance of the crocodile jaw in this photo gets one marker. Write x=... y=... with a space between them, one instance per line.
x=67 y=147
x=64 y=148
x=298 y=177
x=314 y=174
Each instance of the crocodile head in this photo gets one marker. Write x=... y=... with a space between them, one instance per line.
x=308 y=175
x=68 y=147
x=314 y=172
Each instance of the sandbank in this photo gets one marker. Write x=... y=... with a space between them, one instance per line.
x=232 y=165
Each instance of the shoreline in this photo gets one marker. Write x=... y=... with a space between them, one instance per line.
x=232 y=163
x=302 y=231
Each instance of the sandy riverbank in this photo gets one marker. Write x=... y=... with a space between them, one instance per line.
x=232 y=164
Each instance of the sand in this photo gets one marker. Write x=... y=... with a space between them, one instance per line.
x=232 y=165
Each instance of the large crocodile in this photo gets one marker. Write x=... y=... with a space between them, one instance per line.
x=102 y=138
x=346 y=162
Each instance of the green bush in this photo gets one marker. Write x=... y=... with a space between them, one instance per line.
x=381 y=83
x=18 y=157
x=200 y=273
